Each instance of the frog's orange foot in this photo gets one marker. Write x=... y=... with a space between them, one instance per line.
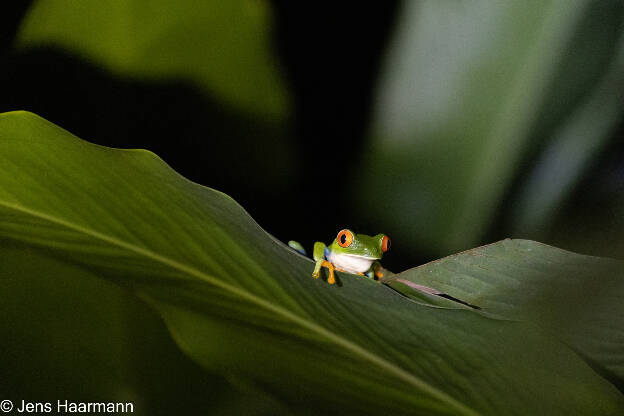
x=331 y=279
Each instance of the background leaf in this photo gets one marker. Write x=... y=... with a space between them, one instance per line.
x=240 y=302
x=487 y=116
x=223 y=47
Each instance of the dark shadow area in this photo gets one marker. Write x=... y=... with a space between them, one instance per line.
x=199 y=138
x=332 y=58
x=605 y=373
x=10 y=18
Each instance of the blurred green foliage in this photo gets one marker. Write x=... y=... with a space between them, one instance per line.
x=472 y=92
x=223 y=47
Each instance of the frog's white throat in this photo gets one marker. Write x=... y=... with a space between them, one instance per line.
x=349 y=262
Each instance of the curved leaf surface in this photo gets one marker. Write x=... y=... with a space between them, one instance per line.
x=66 y=333
x=580 y=299
x=242 y=303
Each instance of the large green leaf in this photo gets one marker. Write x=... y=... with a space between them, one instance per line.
x=222 y=46
x=66 y=333
x=242 y=303
x=579 y=299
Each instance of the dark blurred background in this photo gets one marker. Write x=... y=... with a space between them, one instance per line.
x=357 y=143
x=446 y=125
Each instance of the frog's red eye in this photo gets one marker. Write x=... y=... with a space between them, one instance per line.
x=385 y=243
x=344 y=238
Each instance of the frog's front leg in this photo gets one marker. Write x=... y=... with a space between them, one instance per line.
x=376 y=271
x=319 y=257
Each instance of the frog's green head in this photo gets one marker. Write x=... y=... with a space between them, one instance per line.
x=361 y=245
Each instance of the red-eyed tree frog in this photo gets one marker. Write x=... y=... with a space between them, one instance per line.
x=360 y=254
x=349 y=252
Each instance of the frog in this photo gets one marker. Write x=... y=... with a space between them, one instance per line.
x=349 y=252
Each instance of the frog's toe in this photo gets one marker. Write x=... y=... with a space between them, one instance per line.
x=331 y=280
